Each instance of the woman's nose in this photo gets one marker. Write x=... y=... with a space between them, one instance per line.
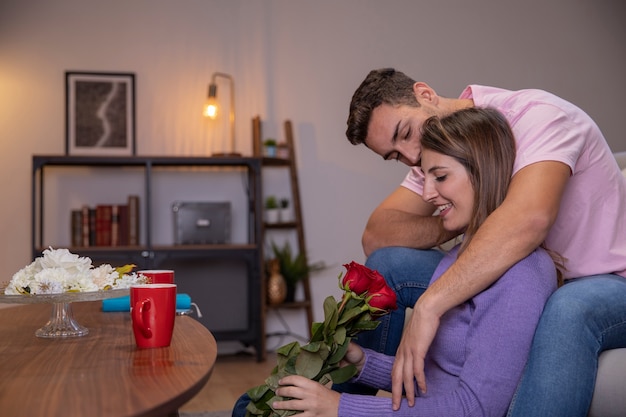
x=429 y=193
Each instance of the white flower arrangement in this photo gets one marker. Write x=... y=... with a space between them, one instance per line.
x=60 y=271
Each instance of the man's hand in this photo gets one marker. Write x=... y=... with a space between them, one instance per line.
x=310 y=397
x=409 y=363
x=354 y=356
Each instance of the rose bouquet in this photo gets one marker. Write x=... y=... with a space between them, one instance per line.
x=366 y=296
x=60 y=271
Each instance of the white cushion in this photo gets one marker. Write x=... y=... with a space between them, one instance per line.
x=609 y=397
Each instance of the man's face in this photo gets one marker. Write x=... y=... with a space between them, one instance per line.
x=394 y=132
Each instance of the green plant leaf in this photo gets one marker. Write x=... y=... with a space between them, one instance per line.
x=330 y=315
x=288 y=349
x=351 y=314
x=317 y=332
x=309 y=364
x=293 y=267
x=339 y=352
x=365 y=325
x=272 y=380
x=313 y=346
x=257 y=393
x=341 y=375
x=340 y=335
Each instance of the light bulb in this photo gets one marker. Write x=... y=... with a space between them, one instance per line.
x=210 y=105
x=210 y=109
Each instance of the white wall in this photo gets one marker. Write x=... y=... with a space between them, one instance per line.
x=291 y=59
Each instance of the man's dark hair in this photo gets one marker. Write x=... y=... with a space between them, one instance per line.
x=384 y=85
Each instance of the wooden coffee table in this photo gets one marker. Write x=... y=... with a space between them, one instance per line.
x=101 y=374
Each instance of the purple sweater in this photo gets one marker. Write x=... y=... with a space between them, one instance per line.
x=477 y=357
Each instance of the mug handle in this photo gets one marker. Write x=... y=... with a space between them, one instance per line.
x=140 y=317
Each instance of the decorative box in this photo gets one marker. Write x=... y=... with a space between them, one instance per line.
x=201 y=222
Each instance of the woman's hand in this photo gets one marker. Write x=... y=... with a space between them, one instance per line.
x=310 y=397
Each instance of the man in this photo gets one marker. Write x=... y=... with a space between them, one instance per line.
x=566 y=192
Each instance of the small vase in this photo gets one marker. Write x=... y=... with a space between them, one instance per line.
x=285 y=215
x=270 y=151
x=272 y=215
x=276 y=284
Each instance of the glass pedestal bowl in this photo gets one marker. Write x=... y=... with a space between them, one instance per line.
x=62 y=323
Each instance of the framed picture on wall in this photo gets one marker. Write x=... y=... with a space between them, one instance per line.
x=100 y=113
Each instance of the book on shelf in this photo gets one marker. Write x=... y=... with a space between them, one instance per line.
x=86 y=226
x=77 y=227
x=91 y=220
x=123 y=230
x=106 y=225
x=133 y=220
x=103 y=224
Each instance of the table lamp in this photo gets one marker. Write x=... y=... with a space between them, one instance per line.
x=211 y=110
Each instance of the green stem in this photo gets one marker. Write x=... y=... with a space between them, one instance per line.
x=346 y=296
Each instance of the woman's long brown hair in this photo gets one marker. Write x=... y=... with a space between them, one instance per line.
x=481 y=140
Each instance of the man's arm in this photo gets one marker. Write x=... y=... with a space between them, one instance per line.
x=509 y=234
x=402 y=219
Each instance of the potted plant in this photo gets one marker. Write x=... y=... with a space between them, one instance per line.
x=285 y=214
x=270 y=147
x=272 y=211
x=293 y=267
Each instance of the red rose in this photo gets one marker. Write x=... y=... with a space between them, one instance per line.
x=360 y=279
x=383 y=299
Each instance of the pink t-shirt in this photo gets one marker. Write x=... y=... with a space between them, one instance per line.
x=590 y=229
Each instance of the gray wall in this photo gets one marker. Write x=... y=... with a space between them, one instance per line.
x=298 y=60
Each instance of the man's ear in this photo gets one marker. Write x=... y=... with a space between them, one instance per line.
x=423 y=93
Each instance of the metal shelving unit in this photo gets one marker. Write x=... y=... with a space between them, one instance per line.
x=149 y=255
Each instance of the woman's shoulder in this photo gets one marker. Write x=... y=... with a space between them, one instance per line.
x=536 y=269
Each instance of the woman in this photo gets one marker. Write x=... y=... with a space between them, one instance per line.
x=479 y=352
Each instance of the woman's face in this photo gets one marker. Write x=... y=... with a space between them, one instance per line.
x=447 y=185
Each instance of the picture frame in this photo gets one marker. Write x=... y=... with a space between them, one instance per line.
x=100 y=113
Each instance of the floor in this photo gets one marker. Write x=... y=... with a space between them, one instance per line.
x=232 y=376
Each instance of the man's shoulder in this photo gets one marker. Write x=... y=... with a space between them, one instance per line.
x=489 y=96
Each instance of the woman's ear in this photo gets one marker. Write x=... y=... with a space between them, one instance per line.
x=423 y=93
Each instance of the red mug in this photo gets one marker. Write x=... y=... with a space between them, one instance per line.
x=153 y=310
x=158 y=276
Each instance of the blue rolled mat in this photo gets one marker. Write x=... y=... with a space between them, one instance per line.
x=183 y=302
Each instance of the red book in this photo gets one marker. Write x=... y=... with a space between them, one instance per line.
x=103 y=224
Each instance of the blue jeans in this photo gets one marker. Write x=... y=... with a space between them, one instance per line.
x=581 y=319
x=239 y=409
